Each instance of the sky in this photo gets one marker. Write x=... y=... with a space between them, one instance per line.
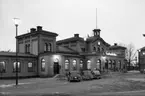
x=120 y=21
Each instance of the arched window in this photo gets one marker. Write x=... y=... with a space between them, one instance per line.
x=102 y=49
x=88 y=64
x=43 y=64
x=94 y=48
x=114 y=64
x=110 y=64
x=98 y=49
x=67 y=64
x=81 y=64
x=74 y=65
x=18 y=67
x=46 y=47
x=49 y=47
x=106 y=64
x=119 y=63
x=98 y=65
x=30 y=67
x=27 y=48
x=2 y=67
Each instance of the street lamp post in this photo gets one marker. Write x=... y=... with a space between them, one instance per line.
x=139 y=58
x=16 y=21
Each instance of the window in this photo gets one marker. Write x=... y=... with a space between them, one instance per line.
x=98 y=49
x=83 y=49
x=2 y=67
x=110 y=64
x=18 y=66
x=46 y=47
x=94 y=48
x=74 y=65
x=27 y=48
x=30 y=67
x=114 y=64
x=43 y=65
x=98 y=65
x=102 y=49
x=81 y=64
x=88 y=64
x=66 y=64
x=106 y=64
x=119 y=63
x=49 y=47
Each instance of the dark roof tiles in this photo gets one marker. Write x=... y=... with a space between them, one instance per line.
x=14 y=54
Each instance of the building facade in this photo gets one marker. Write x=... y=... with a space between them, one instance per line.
x=41 y=55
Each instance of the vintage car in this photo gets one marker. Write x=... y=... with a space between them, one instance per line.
x=74 y=76
x=87 y=75
x=96 y=74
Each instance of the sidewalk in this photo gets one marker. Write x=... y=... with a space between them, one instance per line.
x=10 y=83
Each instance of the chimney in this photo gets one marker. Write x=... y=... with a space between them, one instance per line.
x=76 y=35
x=32 y=30
x=39 y=28
x=115 y=44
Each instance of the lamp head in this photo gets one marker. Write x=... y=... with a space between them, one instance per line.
x=16 y=21
x=139 y=50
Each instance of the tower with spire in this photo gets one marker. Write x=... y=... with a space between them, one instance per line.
x=96 y=31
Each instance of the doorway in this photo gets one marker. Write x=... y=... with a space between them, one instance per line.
x=56 y=68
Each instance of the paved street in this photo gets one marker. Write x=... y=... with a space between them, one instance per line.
x=110 y=85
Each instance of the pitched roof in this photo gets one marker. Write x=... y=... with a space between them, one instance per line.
x=72 y=39
x=38 y=32
x=2 y=53
x=116 y=47
x=64 y=49
x=143 y=48
x=94 y=38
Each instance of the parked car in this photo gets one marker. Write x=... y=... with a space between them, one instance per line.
x=74 y=76
x=96 y=74
x=87 y=75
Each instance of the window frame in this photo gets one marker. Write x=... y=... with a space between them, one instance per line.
x=2 y=67
x=49 y=47
x=88 y=64
x=74 y=63
x=30 y=69
x=66 y=63
x=43 y=63
x=81 y=64
x=14 y=67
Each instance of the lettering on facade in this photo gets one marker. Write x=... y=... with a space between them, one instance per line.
x=111 y=54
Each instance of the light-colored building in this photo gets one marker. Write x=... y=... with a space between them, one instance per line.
x=41 y=55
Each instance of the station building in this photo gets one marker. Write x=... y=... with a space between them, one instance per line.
x=39 y=54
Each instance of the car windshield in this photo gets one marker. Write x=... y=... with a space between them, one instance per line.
x=96 y=72
x=74 y=73
x=86 y=72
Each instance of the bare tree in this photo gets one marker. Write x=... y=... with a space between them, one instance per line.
x=130 y=53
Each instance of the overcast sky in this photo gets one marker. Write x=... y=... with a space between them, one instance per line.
x=120 y=21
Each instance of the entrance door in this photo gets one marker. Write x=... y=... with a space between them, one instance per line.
x=56 y=68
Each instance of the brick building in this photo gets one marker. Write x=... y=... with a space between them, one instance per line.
x=41 y=55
